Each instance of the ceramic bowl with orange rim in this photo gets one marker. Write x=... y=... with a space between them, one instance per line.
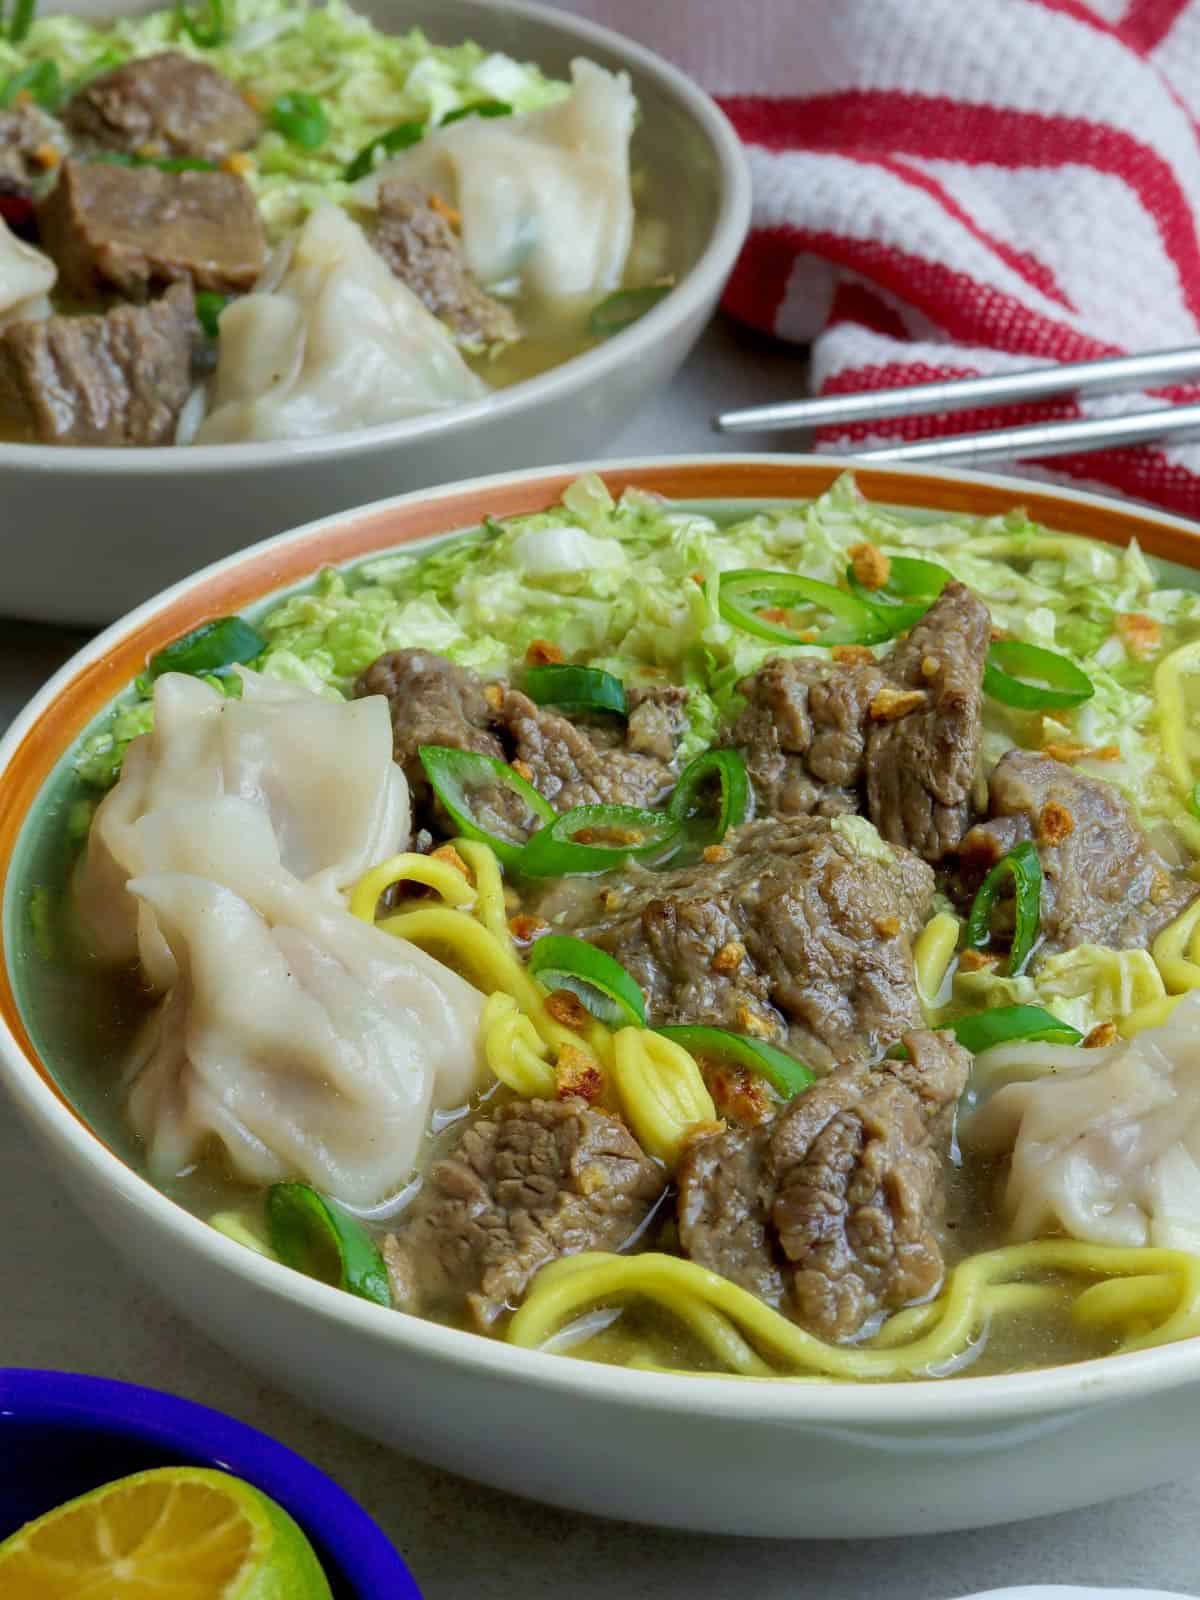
x=704 y=1452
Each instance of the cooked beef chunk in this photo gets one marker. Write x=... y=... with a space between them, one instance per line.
x=526 y=1183
x=797 y=935
x=921 y=763
x=27 y=138
x=577 y=766
x=165 y=105
x=1102 y=880
x=424 y=252
x=657 y=719
x=117 y=379
x=816 y=732
x=803 y=733
x=830 y=1213
x=432 y=702
x=126 y=228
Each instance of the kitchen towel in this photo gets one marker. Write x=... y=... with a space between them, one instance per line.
x=951 y=187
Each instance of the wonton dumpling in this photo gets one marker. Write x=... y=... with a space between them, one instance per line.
x=306 y=1041
x=26 y=278
x=544 y=196
x=1109 y=1151
x=329 y=340
x=320 y=772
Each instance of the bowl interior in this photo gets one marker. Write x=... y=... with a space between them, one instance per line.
x=62 y=1434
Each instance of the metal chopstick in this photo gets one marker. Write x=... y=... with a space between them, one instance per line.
x=1043 y=438
x=1112 y=373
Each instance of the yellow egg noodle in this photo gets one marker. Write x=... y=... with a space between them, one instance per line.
x=1153 y=1295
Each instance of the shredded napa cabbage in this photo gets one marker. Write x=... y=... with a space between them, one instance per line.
x=630 y=586
x=366 y=81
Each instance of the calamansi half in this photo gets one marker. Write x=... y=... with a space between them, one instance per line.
x=175 y=1533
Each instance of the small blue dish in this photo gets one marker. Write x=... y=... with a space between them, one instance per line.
x=62 y=1434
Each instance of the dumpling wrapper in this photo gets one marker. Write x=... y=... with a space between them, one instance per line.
x=329 y=340
x=1107 y=1151
x=26 y=278
x=307 y=1042
x=319 y=772
x=544 y=197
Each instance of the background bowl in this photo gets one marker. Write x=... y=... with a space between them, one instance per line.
x=85 y=534
x=714 y=1454
x=62 y=1433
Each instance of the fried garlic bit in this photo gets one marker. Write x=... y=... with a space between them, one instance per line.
x=869 y=564
x=889 y=705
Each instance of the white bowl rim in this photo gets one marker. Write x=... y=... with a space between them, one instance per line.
x=558 y=383
x=923 y=1404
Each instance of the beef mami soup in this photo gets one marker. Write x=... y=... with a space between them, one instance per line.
x=761 y=945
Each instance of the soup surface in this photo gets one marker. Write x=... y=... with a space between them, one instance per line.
x=268 y=219
x=757 y=943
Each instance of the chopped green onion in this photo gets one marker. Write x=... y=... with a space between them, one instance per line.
x=1034 y=679
x=301 y=119
x=733 y=802
x=911 y=589
x=557 y=852
x=41 y=80
x=1192 y=802
x=624 y=307
x=559 y=961
x=223 y=643
x=787 y=1076
x=209 y=306
x=318 y=1238
x=123 y=158
x=576 y=689
x=1002 y=1024
x=388 y=144
x=1026 y=870
x=745 y=592
x=22 y=20
x=206 y=37
x=453 y=773
x=482 y=108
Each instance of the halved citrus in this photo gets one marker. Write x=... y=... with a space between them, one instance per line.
x=174 y=1533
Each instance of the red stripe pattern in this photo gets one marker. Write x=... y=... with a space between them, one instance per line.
x=981 y=187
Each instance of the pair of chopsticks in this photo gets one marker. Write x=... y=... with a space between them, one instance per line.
x=1109 y=375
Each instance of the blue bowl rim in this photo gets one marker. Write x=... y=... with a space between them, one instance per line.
x=367 y=1559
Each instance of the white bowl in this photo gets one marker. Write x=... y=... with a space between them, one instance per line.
x=87 y=533
x=714 y=1454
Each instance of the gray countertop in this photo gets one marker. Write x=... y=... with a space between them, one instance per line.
x=68 y=1302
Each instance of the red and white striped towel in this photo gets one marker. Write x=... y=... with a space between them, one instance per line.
x=950 y=187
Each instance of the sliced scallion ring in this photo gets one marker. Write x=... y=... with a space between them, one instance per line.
x=1033 y=679
x=1025 y=869
x=301 y=119
x=728 y=767
x=1003 y=1024
x=224 y=643
x=206 y=34
x=600 y=982
x=454 y=773
x=576 y=688
x=623 y=307
x=481 y=108
x=617 y=834
x=910 y=590
x=41 y=80
x=744 y=593
x=787 y=1076
x=209 y=306
x=316 y=1237
x=22 y=20
x=390 y=143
